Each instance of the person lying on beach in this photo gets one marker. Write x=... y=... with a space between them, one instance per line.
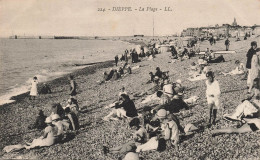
x=250 y=107
x=72 y=119
x=47 y=139
x=240 y=69
x=40 y=121
x=212 y=59
x=250 y=125
x=139 y=137
x=126 y=109
x=200 y=75
x=45 y=89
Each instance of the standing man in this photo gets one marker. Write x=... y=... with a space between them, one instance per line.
x=73 y=92
x=126 y=56
x=249 y=55
x=116 y=59
x=227 y=43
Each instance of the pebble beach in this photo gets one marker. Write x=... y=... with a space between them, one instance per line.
x=93 y=97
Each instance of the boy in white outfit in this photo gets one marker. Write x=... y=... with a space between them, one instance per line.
x=212 y=94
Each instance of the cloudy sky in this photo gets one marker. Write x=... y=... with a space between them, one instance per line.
x=82 y=18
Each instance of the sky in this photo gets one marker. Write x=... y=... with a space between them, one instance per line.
x=82 y=18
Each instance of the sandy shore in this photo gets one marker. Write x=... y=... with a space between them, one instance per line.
x=92 y=97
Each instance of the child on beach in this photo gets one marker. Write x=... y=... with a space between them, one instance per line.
x=212 y=94
x=34 y=91
x=73 y=92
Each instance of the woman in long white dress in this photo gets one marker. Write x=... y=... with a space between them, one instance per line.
x=34 y=91
x=47 y=139
x=254 y=72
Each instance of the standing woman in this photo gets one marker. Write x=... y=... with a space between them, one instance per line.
x=34 y=91
x=254 y=72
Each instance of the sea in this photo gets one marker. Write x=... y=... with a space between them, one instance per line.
x=22 y=59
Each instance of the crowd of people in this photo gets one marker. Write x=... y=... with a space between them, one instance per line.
x=158 y=128
x=154 y=127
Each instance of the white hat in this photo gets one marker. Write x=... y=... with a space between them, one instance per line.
x=131 y=156
x=55 y=117
x=178 y=81
x=189 y=128
x=48 y=120
x=162 y=113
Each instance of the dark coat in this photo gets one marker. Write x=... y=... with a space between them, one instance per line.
x=129 y=107
x=249 y=56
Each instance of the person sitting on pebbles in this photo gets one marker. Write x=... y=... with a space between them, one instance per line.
x=72 y=119
x=47 y=139
x=56 y=108
x=139 y=137
x=212 y=59
x=168 y=88
x=239 y=70
x=73 y=105
x=126 y=109
x=193 y=69
x=40 y=121
x=169 y=134
x=250 y=107
x=61 y=125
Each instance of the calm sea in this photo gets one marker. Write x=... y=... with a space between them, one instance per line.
x=21 y=59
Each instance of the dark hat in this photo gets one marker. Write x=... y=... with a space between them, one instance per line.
x=254 y=43
x=209 y=74
x=134 y=122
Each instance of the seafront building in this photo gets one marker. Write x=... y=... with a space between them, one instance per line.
x=233 y=30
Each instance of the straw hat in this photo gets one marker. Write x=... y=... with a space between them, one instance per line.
x=55 y=117
x=162 y=113
x=48 y=120
x=131 y=156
